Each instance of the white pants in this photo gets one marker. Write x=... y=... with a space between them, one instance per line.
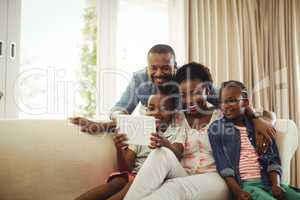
x=163 y=178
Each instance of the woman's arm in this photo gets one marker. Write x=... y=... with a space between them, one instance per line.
x=264 y=129
x=157 y=141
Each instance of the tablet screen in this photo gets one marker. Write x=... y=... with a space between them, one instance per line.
x=137 y=128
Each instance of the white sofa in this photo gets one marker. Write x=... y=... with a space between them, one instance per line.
x=53 y=160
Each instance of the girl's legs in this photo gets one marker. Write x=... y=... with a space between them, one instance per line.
x=160 y=165
x=256 y=190
x=206 y=186
x=121 y=194
x=106 y=190
x=290 y=193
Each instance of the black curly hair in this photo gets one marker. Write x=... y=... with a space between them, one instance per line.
x=193 y=71
x=162 y=49
x=197 y=71
x=234 y=84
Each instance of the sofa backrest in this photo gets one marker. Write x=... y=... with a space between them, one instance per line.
x=51 y=160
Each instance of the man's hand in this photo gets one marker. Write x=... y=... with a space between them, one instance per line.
x=243 y=195
x=278 y=192
x=80 y=121
x=92 y=127
x=119 y=140
x=157 y=141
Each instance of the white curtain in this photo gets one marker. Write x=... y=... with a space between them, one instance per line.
x=254 y=41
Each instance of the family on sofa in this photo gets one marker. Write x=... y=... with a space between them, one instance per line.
x=206 y=138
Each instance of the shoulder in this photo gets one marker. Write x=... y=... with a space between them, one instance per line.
x=216 y=126
x=216 y=115
x=216 y=122
x=141 y=75
x=180 y=120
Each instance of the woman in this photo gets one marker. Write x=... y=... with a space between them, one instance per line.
x=194 y=176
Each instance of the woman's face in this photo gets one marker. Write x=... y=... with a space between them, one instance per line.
x=193 y=96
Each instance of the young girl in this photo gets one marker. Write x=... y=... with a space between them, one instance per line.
x=131 y=157
x=247 y=174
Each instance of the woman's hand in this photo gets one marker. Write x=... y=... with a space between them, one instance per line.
x=264 y=133
x=157 y=141
x=119 y=140
x=262 y=143
x=264 y=129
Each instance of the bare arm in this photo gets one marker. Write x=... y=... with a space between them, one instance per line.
x=157 y=141
x=235 y=188
x=274 y=178
x=125 y=157
x=277 y=191
x=264 y=128
x=93 y=127
x=177 y=149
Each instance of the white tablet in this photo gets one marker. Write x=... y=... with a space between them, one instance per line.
x=137 y=128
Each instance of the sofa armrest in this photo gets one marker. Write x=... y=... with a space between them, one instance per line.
x=287 y=141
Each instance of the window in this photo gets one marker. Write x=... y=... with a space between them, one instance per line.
x=56 y=58
x=65 y=49
x=134 y=37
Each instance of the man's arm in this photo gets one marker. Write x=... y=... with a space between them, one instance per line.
x=128 y=100
x=93 y=127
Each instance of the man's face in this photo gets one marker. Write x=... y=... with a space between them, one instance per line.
x=161 y=67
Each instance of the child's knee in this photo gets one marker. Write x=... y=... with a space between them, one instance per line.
x=118 y=181
x=163 y=152
x=258 y=193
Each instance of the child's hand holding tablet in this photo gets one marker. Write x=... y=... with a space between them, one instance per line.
x=137 y=128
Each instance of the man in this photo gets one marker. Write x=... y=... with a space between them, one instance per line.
x=161 y=67
x=145 y=82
